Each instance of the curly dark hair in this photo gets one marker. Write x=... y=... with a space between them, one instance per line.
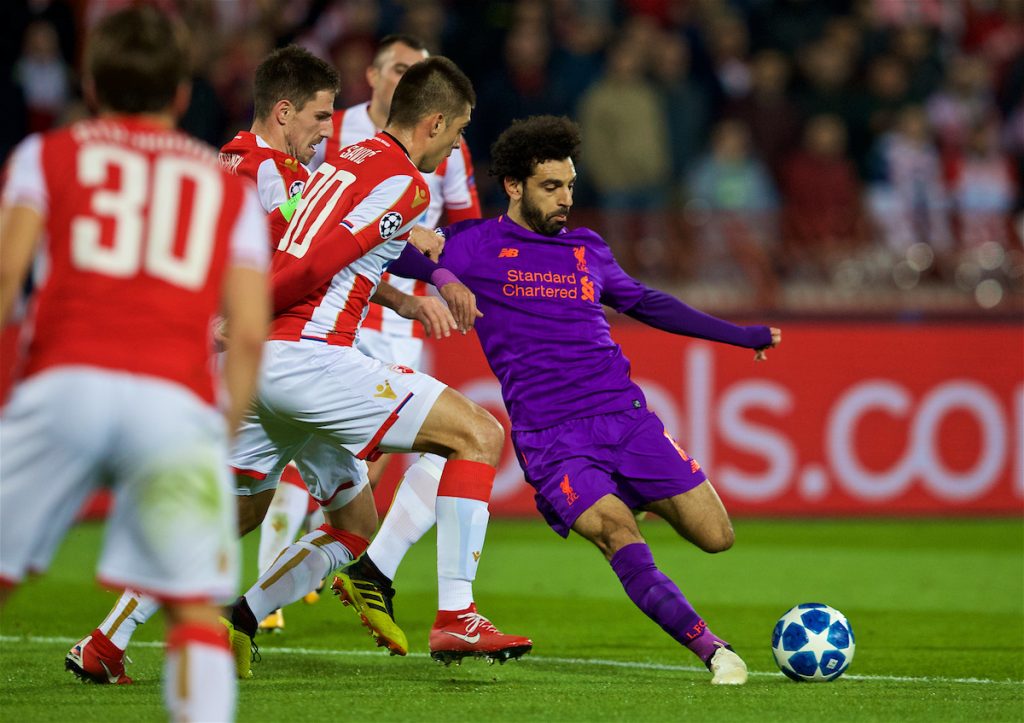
x=534 y=140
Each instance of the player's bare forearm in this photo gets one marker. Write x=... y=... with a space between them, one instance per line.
x=9 y=286
x=436 y=318
x=247 y=308
x=20 y=228
x=388 y=296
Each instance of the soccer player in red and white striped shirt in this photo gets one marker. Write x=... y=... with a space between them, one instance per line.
x=330 y=406
x=384 y=334
x=139 y=238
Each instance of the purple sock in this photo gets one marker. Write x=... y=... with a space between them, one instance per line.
x=661 y=600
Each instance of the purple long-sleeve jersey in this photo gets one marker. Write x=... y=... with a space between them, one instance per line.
x=544 y=331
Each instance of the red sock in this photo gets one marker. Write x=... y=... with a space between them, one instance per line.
x=463 y=478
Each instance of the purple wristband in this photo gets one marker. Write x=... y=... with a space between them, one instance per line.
x=441 y=276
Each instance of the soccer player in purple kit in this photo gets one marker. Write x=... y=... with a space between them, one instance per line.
x=582 y=432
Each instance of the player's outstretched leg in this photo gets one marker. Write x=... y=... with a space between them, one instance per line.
x=366 y=583
x=460 y=631
x=699 y=516
x=100 y=656
x=297 y=571
x=661 y=600
x=471 y=440
x=278 y=529
x=610 y=525
x=314 y=518
x=412 y=514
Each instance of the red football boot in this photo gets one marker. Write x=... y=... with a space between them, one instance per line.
x=466 y=633
x=97 y=659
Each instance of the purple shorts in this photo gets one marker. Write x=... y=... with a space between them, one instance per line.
x=627 y=454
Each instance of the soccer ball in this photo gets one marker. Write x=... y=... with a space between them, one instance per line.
x=813 y=642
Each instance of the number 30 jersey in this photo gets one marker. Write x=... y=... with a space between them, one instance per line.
x=141 y=224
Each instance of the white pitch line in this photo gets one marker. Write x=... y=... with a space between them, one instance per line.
x=636 y=665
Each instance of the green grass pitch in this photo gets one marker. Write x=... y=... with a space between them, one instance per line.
x=937 y=608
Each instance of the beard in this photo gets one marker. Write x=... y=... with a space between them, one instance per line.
x=538 y=221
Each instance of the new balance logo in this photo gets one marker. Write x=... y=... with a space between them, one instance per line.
x=471 y=639
x=508 y=253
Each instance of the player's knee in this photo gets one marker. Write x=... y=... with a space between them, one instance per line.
x=613 y=540
x=608 y=533
x=483 y=436
x=718 y=538
x=492 y=434
x=252 y=509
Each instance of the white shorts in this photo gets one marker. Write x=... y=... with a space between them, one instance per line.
x=328 y=408
x=332 y=474
x=173 y=530
x=391 y=349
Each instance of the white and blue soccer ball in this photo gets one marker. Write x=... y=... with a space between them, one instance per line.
x=813 y=642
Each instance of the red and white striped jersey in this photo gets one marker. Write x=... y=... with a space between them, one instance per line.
x=141 y=224
x=372 y=189
x=277 y=175
x=452 y=193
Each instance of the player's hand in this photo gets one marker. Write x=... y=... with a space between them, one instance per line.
x=430 y=311
x=430 y=243
x=462 y=303
x=220 y=334
x=760 y=354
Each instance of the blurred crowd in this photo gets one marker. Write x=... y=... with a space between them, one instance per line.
x=784 y=149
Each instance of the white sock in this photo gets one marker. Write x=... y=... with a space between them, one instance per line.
x=285 y=515
x=199 y=674
x=297 y=571
x=411 y=514
x=130 y=611
x=461 y=527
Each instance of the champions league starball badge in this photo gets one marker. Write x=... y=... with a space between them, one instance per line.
x=390 y=222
